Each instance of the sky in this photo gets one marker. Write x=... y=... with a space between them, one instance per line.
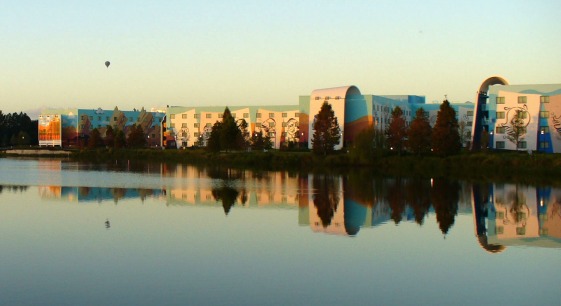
x=215 y=53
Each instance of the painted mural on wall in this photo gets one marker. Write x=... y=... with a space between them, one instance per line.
x=554 y=121
x=50 y=133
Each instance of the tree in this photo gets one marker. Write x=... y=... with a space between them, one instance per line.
x=120 y=140
x=517 y=129
x=136 y=137
x=213 y=143
x=109 y=136
x=327 y=133
x=260 y=141
x=243 y=140
x=464 y=130
x=95 y=139
x=230 y=134
x=419 y=134
x=397 y=130
x=445 y=135
x=484 y=140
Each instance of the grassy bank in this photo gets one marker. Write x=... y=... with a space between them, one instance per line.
x=484 y=165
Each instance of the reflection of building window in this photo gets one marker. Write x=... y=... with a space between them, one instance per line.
x=500 y=230
x=521 y=216
x=544 y=232
x=500 y=129
x=500 y=215
x=500 y=100
x=500 y=145
x=500 y=115
x=520 y=231
x=544 y=99
x=522 y=99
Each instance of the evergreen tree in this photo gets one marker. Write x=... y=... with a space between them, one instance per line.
x=95 y=139
x=120 y=140
x=397 y=130
x=445 y=135
x=109 y=136
x=230 y=134
x=136 y=137
x=419 y=134
x=243 y=140
x=213 y=142
x=327 y=133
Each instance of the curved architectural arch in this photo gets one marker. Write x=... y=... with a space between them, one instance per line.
x=481 y=98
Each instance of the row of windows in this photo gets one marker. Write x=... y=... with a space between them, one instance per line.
x=245 y=115
x=501 y=145
x=523 y=115
x=99 y=118
x=328 y=98
x=522 y=99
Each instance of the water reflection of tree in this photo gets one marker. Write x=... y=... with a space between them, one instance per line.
x=360 y=187
x=396 y=199
x=13 y=188
x=227 y=195
x=326 y=197
x=445 y=197
x=417 y=193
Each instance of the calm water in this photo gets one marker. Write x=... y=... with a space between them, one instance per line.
x=142 y=234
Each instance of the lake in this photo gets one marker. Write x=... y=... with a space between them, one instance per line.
x=127 y=233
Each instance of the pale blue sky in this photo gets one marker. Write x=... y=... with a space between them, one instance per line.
x=52 y=53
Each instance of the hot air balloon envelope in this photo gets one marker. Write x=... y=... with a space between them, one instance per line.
x=107 y=63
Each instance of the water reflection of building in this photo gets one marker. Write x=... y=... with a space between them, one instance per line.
x=96 y=194
x=509 y=215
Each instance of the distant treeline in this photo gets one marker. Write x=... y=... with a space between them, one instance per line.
x=17 y=130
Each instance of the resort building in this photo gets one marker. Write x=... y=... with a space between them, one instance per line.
x=517 y=117
x=72 y=127
x=284 y=124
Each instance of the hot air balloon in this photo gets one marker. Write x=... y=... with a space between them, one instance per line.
x=107 y=63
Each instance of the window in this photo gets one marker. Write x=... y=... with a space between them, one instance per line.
x=500 y=115
x=234 y=115
x=317 y=98
x=523 y=115
x=272 y=134
x=284 y=124
x=522 y=145
x=296 y=115
x=520 y=231
x=196 y=134
x=208 y=116
x=220 y=115
x=271 y=124
x=544 y=129
x=246 y=115
x=284 y=115
x=544 y=114
x=271 y=115
x=470 y=113
x=184 y=125
x=500 y=130
x=196 y=125
x=500 y=100
x=172 y=125
x=544 y=145
x=544 y=99
x=500 y=230
x=500 y=145
x=327 y=97
x=172 y=116
x=258 y=115
x=184 y=116
x=196 y=116
x=208 y=125
x=522 y=99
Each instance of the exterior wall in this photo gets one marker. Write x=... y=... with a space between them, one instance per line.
x=542 y=119
x=50 y=130
x=77 y=124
